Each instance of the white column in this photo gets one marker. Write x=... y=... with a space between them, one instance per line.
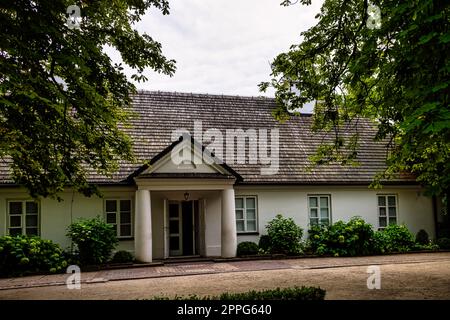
x=143 y=227
x=229 y=237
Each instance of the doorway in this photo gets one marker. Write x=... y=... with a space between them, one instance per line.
x=183 y=231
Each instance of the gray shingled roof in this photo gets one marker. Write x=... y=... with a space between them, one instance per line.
x=159 y=113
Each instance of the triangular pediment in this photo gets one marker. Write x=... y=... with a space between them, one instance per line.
x=187 y=157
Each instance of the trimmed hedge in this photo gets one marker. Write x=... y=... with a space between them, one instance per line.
x=122 y=256
x=21 y=255
x=247 y=248
x=294 y=293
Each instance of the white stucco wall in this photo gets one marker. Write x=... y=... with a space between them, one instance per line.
x=414 y=209
x=56 y=216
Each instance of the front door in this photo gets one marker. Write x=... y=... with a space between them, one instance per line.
x=183 y=228
x=187 y=224
x=175 y=229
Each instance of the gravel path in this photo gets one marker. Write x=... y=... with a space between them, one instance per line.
x=411 y=276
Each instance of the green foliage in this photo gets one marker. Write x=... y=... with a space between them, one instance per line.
x=400 y=239
x=285 y=236
x=353 y=238
x=122 y=256
x=94 y=238
x=264 y=243
x=396 y=74
x=395 y=238
x=247 y=248
x=22 y=255
x=422 y=237
x=62 y=100
x=428 y=247
x=443 y=243
x=294 y=293
x=356 y=238
x=380 y=243
x=73 y=258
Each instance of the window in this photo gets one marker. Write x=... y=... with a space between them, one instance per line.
x=319 y=209
x=387 y=210
x=118 y=214
x=23 y=218
x=246 y=214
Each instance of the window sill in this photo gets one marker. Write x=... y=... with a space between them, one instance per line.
x=248 y=233
x=126 y=239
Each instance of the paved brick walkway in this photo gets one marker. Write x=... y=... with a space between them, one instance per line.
x=199 y=268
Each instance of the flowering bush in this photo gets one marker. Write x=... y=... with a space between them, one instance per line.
x=21 y=255
x=342 y=238
x=397 y=238
x=95 y=240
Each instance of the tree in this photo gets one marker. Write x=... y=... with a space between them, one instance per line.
x=384 y=60
x=62 y=101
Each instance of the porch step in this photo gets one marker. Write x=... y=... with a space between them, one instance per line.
x=173 y=260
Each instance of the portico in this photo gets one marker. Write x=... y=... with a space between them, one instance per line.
x=209 y=194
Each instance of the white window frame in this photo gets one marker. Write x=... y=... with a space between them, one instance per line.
x=386 y=207
x=244 y=201
x=318 y=196
x=23 y=221
x=117 y=212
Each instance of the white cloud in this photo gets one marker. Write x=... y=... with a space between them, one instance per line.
x=223 y=46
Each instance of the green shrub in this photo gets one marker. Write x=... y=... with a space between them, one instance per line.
x=398 y=238
x=295 y=293
x=443 y=243
x=422 y=237
x=247 y=248
x=307 y=248
x=72 y=258
x=264 y=243
x=94 y=238
x=342 y=239
x=380 y=243
x=429 y=246
x=122 y=256
x=443 y=231
x=284 y=235
x=21 y=255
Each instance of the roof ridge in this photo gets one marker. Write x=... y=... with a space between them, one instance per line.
x=198 y=94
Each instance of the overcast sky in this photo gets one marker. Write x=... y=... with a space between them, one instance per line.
x=223 y=46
